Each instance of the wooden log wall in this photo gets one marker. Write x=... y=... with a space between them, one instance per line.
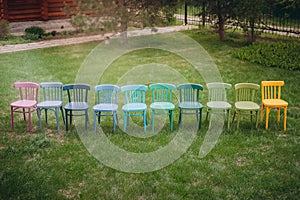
x=29 y=10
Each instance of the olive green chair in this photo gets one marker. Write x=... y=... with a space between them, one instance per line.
x=245 y=101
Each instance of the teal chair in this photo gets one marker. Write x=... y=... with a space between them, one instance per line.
x=189 y=101
x=52 y=100
x=217 y=101
x=134 y=103
x=162 y=101
x=107 y=104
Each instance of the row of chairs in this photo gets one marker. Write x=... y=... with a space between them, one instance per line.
x=107 y=101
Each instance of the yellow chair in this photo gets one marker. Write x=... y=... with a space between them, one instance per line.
x=244 y=101
x=271 y=91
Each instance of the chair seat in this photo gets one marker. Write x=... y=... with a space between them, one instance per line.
x=134 y=107
x=24 y=103
x=218 y=105
x=49 y=104
x=274 y=103
x=76 y=106
x=190 y=105
x=162 y=106
x=246 y=105
x=105 y=107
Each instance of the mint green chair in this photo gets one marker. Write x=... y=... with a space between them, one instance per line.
x=162 y=101
x=217 y=101
x=189 y=101
x=244 y=101
x=135 y=103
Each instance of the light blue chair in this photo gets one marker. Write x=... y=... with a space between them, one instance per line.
x=189 y=101
x=52 y=100
x=107 y=103
x=162 y=101
x=135 y=103
x=77 y=102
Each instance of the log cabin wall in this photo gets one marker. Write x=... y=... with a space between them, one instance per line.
x=29 y=10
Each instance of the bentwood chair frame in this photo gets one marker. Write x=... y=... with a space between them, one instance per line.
x=271 y=99
x=77 y=102
x=28 y=99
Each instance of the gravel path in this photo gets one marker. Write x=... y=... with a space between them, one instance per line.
x=83 y=39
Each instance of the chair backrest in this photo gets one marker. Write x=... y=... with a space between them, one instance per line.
x=135 y=93
x=189 y=92
x=77 y=92
x=27 y=90
x=162 y=92
x=245 y=91
x=271 y=89
x=52 y=91
x=217 y=91
x=107 y=93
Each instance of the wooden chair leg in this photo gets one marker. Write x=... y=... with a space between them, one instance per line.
x=62 y=114
x=238 y=119
x=57 y=119
x=12 y=117
x=171 y=120
x=256 y=125
x=66 y=113
x=261 y=114
x=228 y=119
x=24 y=115
x=145 y=120
x=29 y=120
x=95 y=118
x=267 y=117
x=284 y=121
x=233 y=117
x=46 y=116
x=152 y=120
x=200 y=119
x=180 y=117
x=278 y=115
x=38 y=111
x=125 y=121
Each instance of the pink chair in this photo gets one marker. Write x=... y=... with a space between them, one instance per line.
x=28 y=97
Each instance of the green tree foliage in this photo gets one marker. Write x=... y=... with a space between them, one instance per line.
x=118 y=15
x=249 y=13
x=4 y=29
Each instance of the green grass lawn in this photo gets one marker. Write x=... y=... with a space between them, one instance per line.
x=247 y=163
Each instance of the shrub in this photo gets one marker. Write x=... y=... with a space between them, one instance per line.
x=272 y=54
x=34 y=33
x=4 y=29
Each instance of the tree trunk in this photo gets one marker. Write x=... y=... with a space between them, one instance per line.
x=252 y=24
x=221 y=31
x=185 y=13
x=221 y=21
x=203 y=14
x=124 y=23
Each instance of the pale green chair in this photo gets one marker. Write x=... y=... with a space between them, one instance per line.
x=217 y=101
x=245 y=101
x=162 y=101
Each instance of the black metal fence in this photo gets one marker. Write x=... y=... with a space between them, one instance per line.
x=269 y=23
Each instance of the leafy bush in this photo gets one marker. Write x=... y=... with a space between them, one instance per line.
x=34 y=33
x=272 y=54
x=4 y=29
